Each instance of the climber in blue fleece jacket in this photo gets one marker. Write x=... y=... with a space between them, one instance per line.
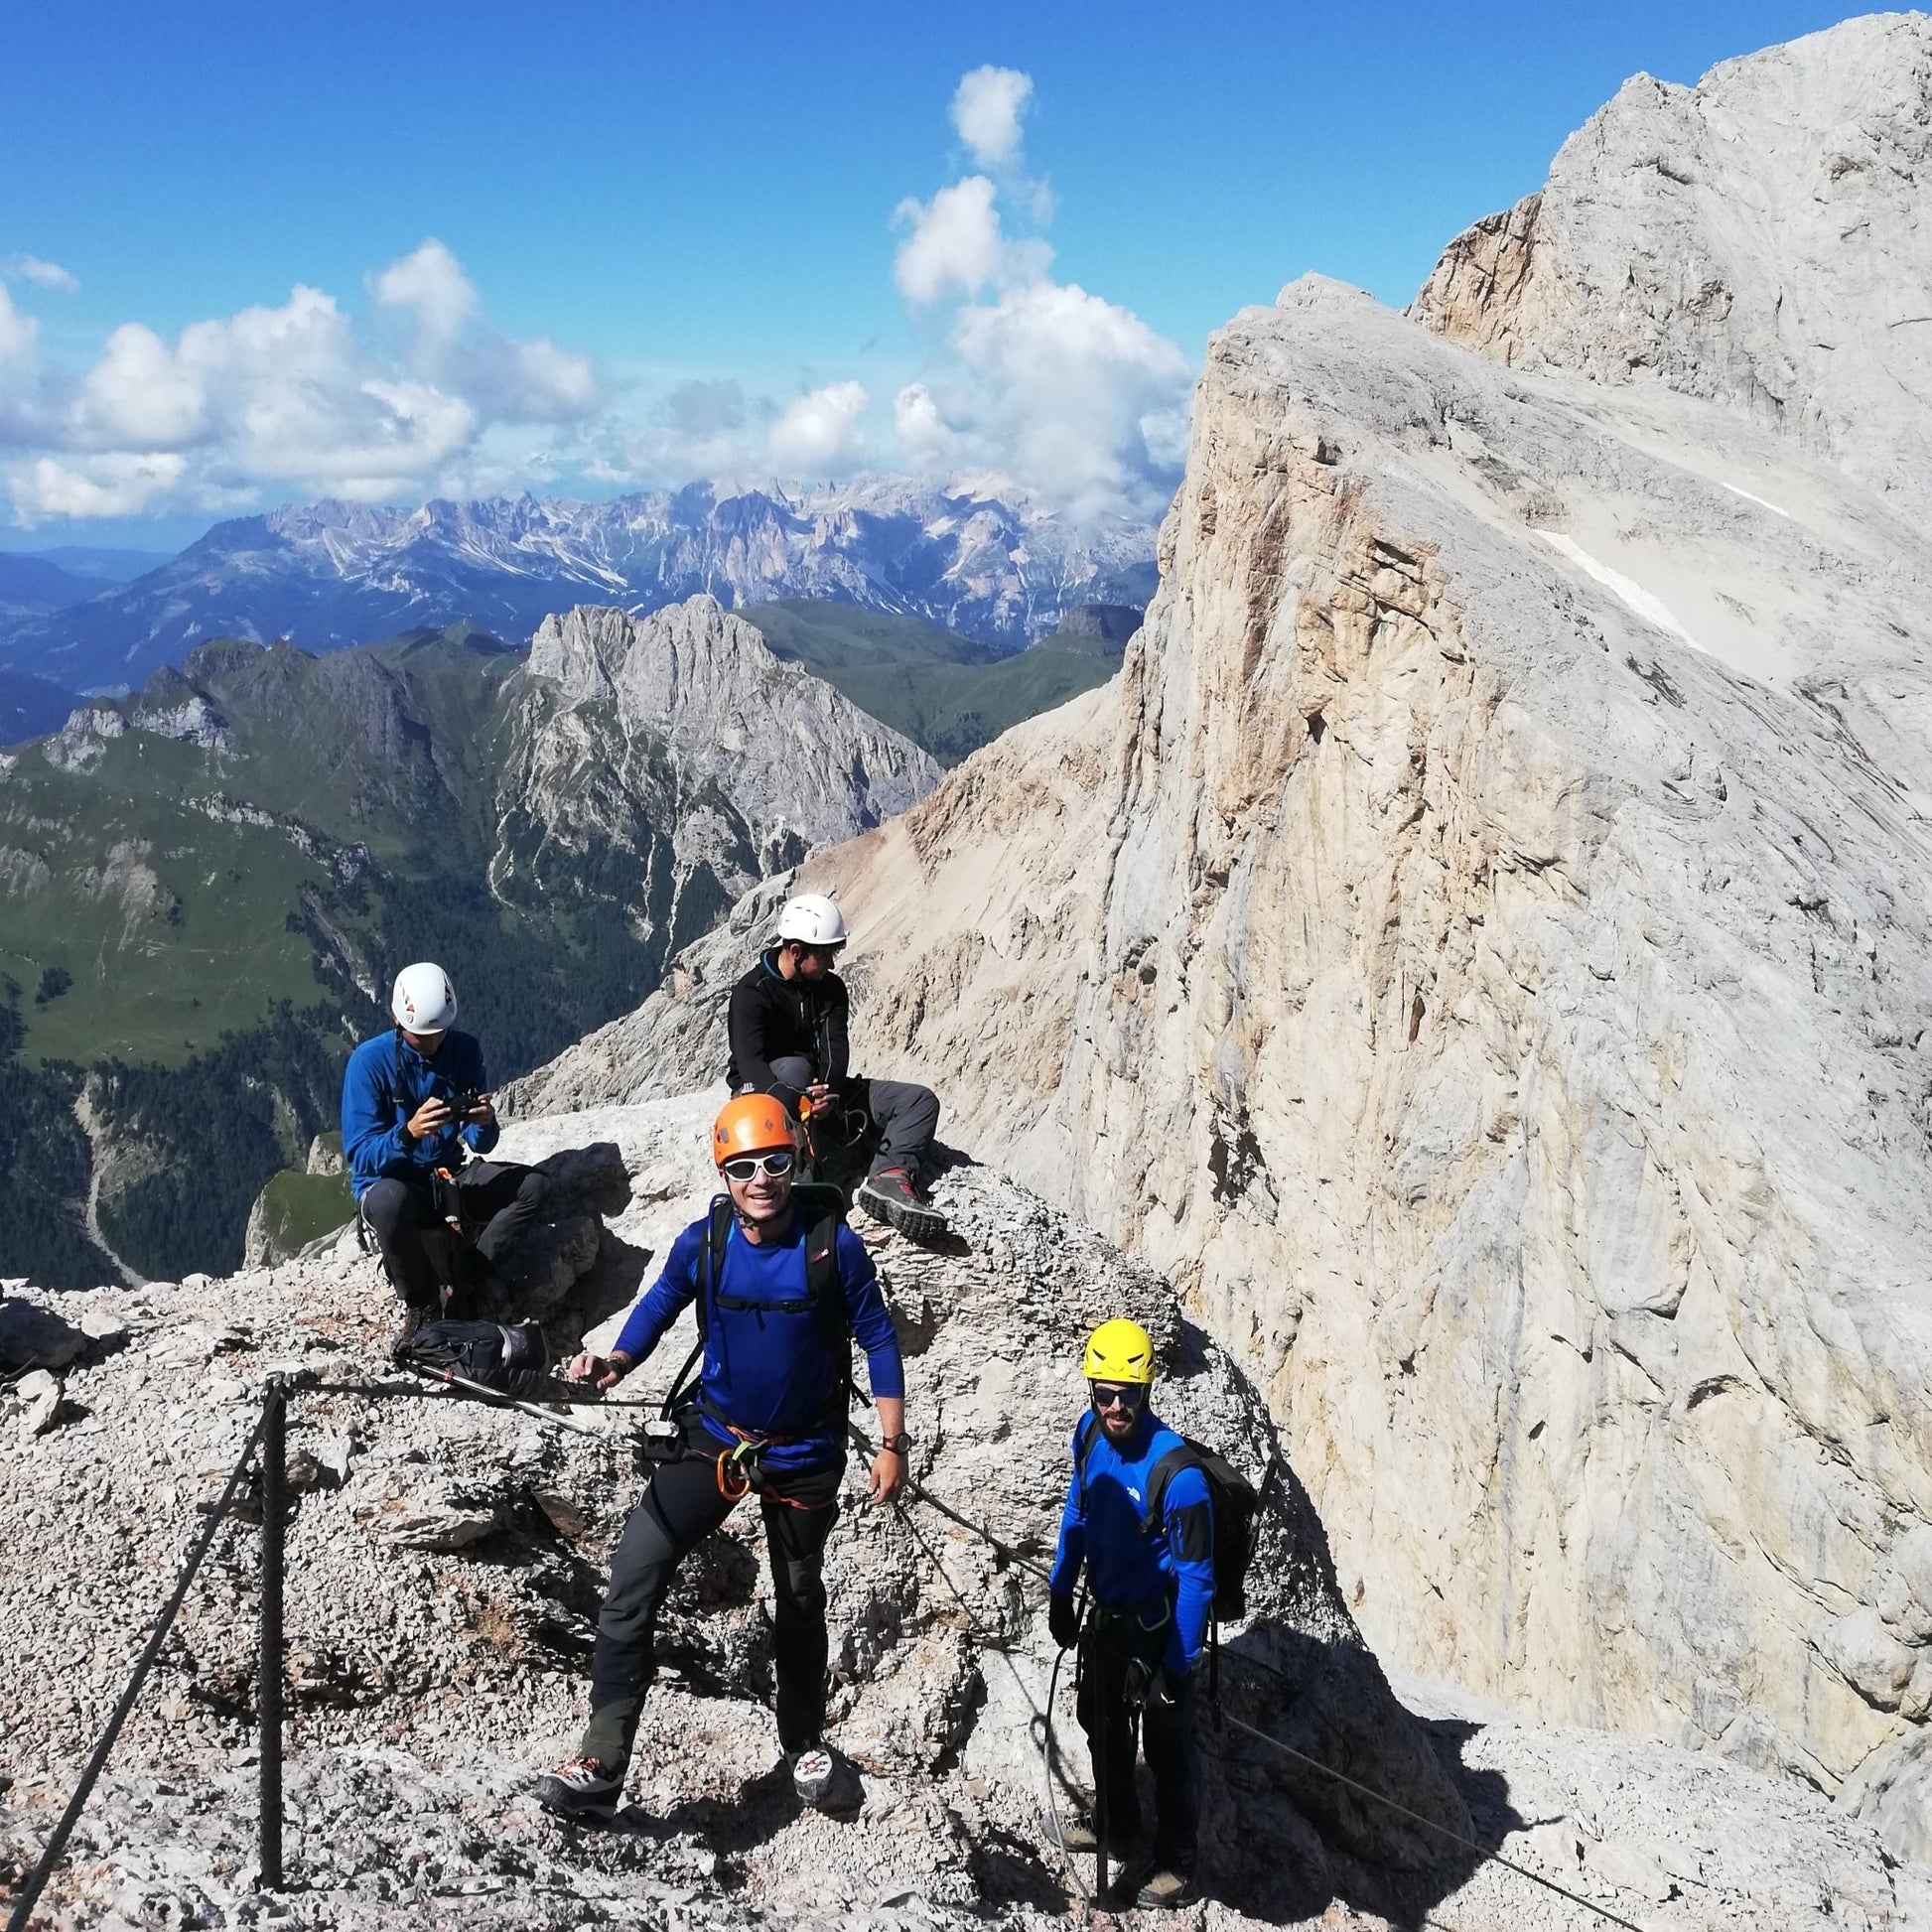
x=1153 y=1590
x=400 y=1125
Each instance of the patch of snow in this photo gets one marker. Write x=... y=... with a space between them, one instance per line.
x=1651 y=607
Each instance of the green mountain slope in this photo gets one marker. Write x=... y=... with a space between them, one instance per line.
x=948 y=693
x=207 y=885
x=204 y=887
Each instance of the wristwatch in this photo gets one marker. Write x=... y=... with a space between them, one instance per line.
x=899 y=1443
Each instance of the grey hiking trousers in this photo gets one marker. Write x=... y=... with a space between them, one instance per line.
x=904 y=1115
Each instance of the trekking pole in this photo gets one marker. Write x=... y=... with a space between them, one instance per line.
x=463 y=1386
x=268 y=1692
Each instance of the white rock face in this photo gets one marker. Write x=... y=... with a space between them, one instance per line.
x=1483 y=949
x=1758 y=239
x=784 y=749
x=669 y=762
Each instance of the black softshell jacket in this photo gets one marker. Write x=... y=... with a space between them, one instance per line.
x=773 y=1017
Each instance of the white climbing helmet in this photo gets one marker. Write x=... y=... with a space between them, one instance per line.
x=424 y=1000
x=812 y=919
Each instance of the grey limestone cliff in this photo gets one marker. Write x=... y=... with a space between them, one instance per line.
x=1482 y=948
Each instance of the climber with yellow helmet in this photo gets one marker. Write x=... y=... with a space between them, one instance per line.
x=781 y=1294
x=1138 y=1520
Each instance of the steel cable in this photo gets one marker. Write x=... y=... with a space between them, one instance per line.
x=57 y=1844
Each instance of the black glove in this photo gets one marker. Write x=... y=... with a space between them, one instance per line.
x=1166 y=1688
x=1063 y=1620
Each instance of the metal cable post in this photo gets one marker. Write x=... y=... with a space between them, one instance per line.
x=268 y=1690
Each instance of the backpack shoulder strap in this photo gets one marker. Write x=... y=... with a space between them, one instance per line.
x=711 y=1258
x=1184 y=1456
x=1083 y=1442
x=823 y=1281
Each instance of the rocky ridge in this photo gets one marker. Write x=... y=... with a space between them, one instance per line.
x=444 y=1561
x=606 y=702
x=1481 y=948
x=1758 y=240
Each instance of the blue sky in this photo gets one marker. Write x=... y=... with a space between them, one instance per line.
x=674 y=240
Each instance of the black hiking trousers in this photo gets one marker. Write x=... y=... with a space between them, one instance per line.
x=397 y=1211
x=903 y=1115
x=682 y=1505
x=1112 y=1652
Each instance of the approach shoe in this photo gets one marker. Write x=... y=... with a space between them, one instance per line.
x=893 y=1196
x=413 y=1318
x=811 y=1773
x=580 y=1788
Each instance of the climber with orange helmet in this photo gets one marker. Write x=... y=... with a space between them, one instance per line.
x=1138 y=1520
x=780 y=1296
x=787 y=1030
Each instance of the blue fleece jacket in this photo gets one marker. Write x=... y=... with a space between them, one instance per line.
x=385 y=1082
x=1131 y=1563
x=767 y=1370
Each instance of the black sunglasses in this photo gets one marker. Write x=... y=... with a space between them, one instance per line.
x=742 y=1167
x=1108 y=1396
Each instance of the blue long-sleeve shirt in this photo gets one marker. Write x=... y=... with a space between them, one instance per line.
x=385 y=1082
x=1130 y=1562
x=769 y=1371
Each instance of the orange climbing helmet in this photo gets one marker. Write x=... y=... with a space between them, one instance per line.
x=754 y=1122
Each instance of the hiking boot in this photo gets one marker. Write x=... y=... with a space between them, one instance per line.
x=580 y=1788
x=811 y=1773
x=1075 y=1833
x=412 y=1320
x=1155 y=1887
x=894 y=1196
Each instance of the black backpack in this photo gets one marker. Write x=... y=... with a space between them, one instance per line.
x=822 y=1209
x=1236 y=1507
x=511 y=1361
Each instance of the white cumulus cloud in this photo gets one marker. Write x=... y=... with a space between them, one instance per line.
x=140 y=392
x=43 y=274
x=289 y=396
x=18 y=333
x=954 y=241
x=1063 y=383
x=1066 y=393
x=987 y=109
x=104 y=485
x=926 y=441
x=429 y=284
x=821 y=432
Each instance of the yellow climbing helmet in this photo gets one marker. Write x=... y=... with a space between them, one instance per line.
x=1119 y=1351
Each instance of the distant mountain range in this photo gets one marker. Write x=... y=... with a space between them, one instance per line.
x=34 y=583
x=1001 y=568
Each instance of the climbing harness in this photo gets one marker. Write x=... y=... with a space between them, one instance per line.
x=740 y=1470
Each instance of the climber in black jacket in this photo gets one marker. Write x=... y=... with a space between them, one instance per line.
x=789 y=1039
